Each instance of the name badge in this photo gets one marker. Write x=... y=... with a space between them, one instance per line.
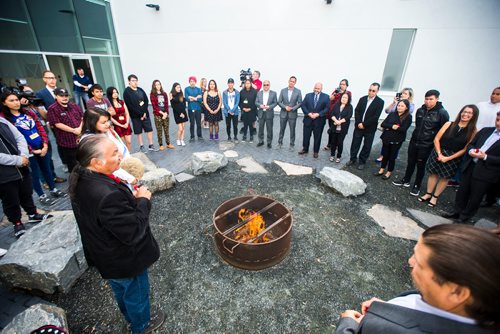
x=141 y=103
x=245 y=101
x=121 y=118
x=34 y=135
x=63 y=114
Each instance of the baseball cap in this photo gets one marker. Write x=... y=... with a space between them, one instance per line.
x=230 y=80
x=61 y=92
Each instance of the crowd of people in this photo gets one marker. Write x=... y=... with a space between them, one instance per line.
x=94 y=133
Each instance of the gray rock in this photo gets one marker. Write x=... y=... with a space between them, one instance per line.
x=207 y=162
x=344 y=182
x=158 y=179
x=182 y=177
x=48 y=258
x=37 y=316
x=249 y=165
x=485 y=223
x=428 y=219
x=148 y=164
x=394 y=223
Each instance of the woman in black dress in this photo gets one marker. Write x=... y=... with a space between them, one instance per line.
x=248 y=108
x=340 y=118
x=395 y=126
x=213 y=103
x=178 y=104
x=450 y=145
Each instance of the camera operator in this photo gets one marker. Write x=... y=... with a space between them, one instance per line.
x=405 y=94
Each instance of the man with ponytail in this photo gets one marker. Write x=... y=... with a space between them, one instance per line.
x=115 y=231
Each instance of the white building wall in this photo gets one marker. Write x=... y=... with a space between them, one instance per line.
x=455 y=49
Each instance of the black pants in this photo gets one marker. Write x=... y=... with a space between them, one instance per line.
x=331 y=128
x=17 y=194
x=366 y=137
x=336 y=142
x=417 y=157
x=232 y=119
x=69 y=156
x=470 y=193
x=316 y=128
x=195 y=117
x=389 y=156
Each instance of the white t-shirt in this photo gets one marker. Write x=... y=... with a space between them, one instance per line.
x=487 y=114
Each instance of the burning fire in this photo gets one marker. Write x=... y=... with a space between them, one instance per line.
x=252 y=228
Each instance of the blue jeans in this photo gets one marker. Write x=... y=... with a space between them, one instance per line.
x=39 y=164
x=132 y=296
x=78 y=96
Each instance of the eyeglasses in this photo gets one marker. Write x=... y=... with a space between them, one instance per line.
x=372 y=90
x=266 y=85
x=50 y=78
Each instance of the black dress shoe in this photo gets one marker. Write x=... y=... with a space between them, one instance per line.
x=486 y=204
x=450 y=215
x=302 y=152
x=361 y=166
x=350 y=162
x=269 y=145
x=315 y=155
x=260 y=144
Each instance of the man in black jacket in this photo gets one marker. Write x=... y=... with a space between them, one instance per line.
x=115 y=231
x=366 y=117
x=481 y=172
x=428 y=120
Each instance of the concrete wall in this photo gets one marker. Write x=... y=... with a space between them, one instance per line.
x=455 y=50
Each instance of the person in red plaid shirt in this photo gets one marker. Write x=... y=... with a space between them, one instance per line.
x=66 y=118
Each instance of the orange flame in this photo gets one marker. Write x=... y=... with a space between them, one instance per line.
x=252 y=228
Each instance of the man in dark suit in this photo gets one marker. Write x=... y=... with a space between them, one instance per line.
x=47 y=94
x=289 y=100
x=456 y=269
x=481 y=172
x=266 y=101
x=315 y=106
x=366 y=117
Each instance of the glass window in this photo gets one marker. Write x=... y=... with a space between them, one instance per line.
x=108 y=72
x=17 y=33
x=29 y=67
x=397 y=57
x=55 y=24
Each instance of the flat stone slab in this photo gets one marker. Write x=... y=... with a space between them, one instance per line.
x=342 y=181
x=394 y=223
x=249 y=165
x=231 y=154
x=182 y=177
x=291 y=169
x=428 y=219
x=485 y=223
x=207 y=162
x=226 y=145
x=35 y=317
x=48 y=257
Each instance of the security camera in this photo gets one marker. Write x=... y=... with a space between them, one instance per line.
x=151 y=5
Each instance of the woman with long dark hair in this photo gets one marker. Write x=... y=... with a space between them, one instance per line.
x=334 y=98
x=32 y=129
x=395 y=126
x=450 y=144
x=340 y=117
x=248 y=108
x=159 y=101
x=121 y=119
x=213 y=103
x=178 y=104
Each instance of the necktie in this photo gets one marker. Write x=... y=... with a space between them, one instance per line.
x=315 y=99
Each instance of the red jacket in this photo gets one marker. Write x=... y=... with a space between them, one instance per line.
x=154 y=102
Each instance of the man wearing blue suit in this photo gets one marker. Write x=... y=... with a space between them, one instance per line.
x=47 y=93
x=315 y=106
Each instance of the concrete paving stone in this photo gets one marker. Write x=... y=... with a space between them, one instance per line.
x=181 y=177
x=292 y=169
x=249 y=165
x=226 y=145
x=485 y=223
x=394 y=223
x=231 y=154
x=428 y=219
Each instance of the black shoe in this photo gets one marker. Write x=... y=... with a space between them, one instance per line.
x=350 y=162
x=260 y=144
x=37 y=218
x=191 y=139
x=19 y=230
x=402 y=182
x=156 y=319
x=58 y=179
x=361 y=166
x=269 y=145
x=200 y=138
x=244 y=139
x=486 y=204
x=57 y=193
x=251 y=140
x=302 y=152
x=315 y=155
x=450 y=215
x=415 y=191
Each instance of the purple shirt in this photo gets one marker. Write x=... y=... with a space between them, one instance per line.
x=71 y=116
x=104 y=104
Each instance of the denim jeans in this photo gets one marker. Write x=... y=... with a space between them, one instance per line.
x=81 y=95
x=195 y=117
x=132 y=296
x=39 y=164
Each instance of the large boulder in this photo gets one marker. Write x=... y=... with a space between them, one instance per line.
x=207 y=162
x=48 y=257
x=35 y=317
x=156 y=179
x=344 y=182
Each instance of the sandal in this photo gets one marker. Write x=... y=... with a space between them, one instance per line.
x=337 y=160
x=432 y=204
x=332 y=159
x=422 y=199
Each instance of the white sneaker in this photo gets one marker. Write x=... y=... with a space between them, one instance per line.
x=2 y=252
x=183 y=143
x=178 y=142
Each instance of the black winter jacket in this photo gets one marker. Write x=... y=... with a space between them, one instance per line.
x=427 y=124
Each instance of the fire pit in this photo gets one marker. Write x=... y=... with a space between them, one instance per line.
x=252 y=232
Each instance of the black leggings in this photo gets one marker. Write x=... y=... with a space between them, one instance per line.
x=336 y=142
x=390 y=153
x=417 y=157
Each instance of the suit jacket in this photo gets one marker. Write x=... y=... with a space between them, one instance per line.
x=385 y=318
x=321 y=108
x=489 y=169
x=46 y=97
x=370 y=121
x=294 y=102
x=272 y=102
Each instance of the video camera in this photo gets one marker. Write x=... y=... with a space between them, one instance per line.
x=19 y=91
x=245 y=75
